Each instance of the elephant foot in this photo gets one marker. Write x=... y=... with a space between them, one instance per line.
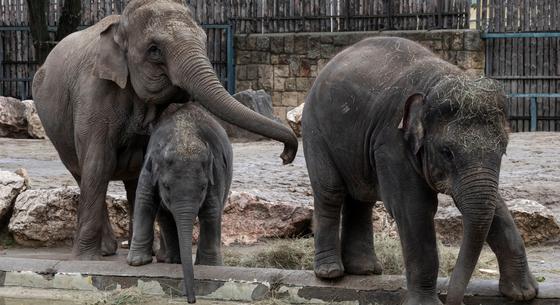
x=362 y=266
x=329 y=270
x=137 y=258
x=167 y=257
x=109 y=246
x=415 y=299
x=519 y=287
x=88 y=256
x=209 y=261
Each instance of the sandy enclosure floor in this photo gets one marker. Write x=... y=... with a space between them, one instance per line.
x=530 y=170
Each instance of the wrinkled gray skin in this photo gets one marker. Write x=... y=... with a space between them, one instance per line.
x=388 y=120
x=187 y=173
x=99 y=89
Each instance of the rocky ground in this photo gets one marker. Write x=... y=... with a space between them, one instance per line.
x=530 y=170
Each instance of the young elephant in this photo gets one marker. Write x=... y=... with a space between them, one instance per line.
x=388 y=120
x=186 y=173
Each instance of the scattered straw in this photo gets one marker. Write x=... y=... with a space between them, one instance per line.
x=476 y=106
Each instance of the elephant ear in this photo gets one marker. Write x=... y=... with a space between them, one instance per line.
x=411 y=122
x=110 y=63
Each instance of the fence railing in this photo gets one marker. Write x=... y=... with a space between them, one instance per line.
x=277 y=16
x=271 y=16
x=518 y=15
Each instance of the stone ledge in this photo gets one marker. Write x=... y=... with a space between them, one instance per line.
x=232 y=283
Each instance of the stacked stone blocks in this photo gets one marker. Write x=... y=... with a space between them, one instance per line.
x=285 y=65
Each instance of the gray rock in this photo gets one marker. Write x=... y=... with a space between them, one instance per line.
x=258 y=101
x=535 y=222
x=34 y=126
x=248 y=218
x=294 y=119
x=13 y=120
x=19 y=119
x=48 y=217
x=11 y=185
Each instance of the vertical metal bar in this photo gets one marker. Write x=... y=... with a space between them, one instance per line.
x=2 y=63
x=533 y=111
x=230 y=61
x=478 y=14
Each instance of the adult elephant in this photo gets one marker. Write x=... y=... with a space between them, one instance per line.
x=388 y=120
x=99 y=89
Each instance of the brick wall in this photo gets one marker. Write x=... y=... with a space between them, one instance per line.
x=285 y=65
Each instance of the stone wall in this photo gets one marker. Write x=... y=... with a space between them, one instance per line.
x=285 y=65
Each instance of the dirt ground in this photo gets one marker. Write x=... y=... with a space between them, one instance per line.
x=530 y=170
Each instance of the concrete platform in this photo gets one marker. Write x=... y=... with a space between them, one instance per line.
x=234 y=284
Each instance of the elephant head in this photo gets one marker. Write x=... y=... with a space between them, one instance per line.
x=157 y=46
x=458 y=134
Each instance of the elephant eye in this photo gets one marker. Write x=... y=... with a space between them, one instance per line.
x=154 y=53
x=447 y=154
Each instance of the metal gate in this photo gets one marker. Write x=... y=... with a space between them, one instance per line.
x=527 y=64
x=221 y=53
x=18 y=64
x=523 y=51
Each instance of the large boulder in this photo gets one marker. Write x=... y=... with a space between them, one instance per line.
x=13 y=120
x=19 y=119
x=294 y=119
x=535 y=222
x=11 y=185
x=258 y=101
x=248 y=218
x=34 y=127
x=48 y=217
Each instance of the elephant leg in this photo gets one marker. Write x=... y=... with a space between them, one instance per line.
x=130 y=187
x=169 y=251
x=329 y=194
x=146 y=207
x=516 y=280
x=98 y=164
x=209 y=251
x=109 y=244
x=413 y=205
x=358 y=253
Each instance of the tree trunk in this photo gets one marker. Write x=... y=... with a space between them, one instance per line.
x=70 y=18
x=38 y=11
x=68 y=22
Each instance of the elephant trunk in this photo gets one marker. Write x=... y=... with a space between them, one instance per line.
x=193 y=72
x=475 y=195
x=184 y=219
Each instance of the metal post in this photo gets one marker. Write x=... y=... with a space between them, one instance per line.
x=533 y=112
x=230 y=61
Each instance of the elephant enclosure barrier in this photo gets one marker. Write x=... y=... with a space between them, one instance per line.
x=18 y=60
x=522 y=38
x=523 y=52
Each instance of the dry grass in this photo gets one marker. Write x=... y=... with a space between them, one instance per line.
x=297 y=254
x=478 y=109
x=127 y=296
x=294 y=254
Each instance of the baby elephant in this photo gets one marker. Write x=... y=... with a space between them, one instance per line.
x=186 y=173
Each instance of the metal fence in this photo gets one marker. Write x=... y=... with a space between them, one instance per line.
x=277 y=16
x=18 y=61
x=220 y=17
x=522 y=51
